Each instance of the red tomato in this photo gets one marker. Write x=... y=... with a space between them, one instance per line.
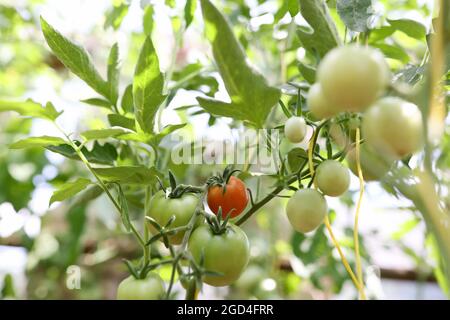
x=234 y=200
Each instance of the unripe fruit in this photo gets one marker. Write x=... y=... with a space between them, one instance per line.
x=295 y=129
x=319 y=106
x=373 y=165
x=393 y=127
x=332 y=178
x=353 y=77
x=306 y=210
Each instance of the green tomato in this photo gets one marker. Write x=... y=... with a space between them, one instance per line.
x=295 y=129
x=332 y=178
x=150 y=288
x=306 y=210
x=227 y=253
x=373 y=165
x=393 y=127
x=162 y=208
x=353 y=77
x=319 y=106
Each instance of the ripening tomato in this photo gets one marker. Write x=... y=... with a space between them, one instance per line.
x=295 y=129
x=306 y=210
x=332 y=178
x=352 y=77
x=393 y=127
x=150 y=288
x=234 y=200
x=319 y=106
x=226 y=253
x=161 y=208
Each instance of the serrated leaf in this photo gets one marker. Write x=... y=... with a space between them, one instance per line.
x=100 y=154
x=102 y=133
x=117 y=120
x=113 y=73
x=324 y=36
x=128 y=174
x=30 y=108
x=189 y=11
x=355 y=14
x=69 y=189
x=42 y=141
x=148 y=84
x=251 y=97
x=127 y=99
x=75 y=58
x=409 y=27
x=98 y=102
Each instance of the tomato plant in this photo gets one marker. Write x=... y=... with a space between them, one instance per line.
x=351 y=89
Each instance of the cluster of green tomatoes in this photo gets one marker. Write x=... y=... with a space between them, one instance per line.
x=351 y=79
x=216 y=246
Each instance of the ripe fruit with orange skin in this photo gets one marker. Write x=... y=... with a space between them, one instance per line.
x=233 y=199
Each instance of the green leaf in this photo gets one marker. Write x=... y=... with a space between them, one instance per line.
x=128 y=174
x=75 y=58
x=409 y=27
x=251 y=97
x=116 y=15
x=98 y=102
x=380 y=33
x=189 y=11
x=102 y=133
x=148 y=20
x=127 y=99
x=324 y=36
x=148 y=84
x=69 y=189
x=117 y=120
x=393 y=52
x=355 y=14
x=293 y=7
x=297 y=158
x=30 y=108
x=156 y=139
x=308 y=72
x=42 y=141
x=100 y=154
x=113 y=73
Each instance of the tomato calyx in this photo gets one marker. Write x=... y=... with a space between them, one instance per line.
x=178 y=190
x=222 y=180
x=217 y=224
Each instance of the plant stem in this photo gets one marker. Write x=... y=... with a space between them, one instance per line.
x=358 y=208
x=100 y=181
